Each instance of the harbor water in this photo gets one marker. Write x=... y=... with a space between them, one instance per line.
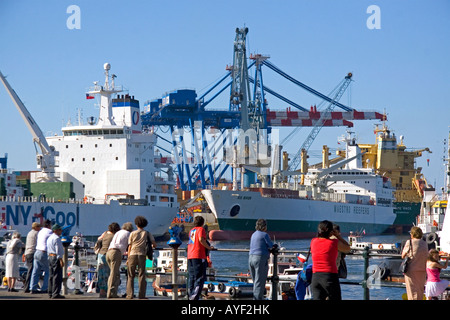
x=232 y=263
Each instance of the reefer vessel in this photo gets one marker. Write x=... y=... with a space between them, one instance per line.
x=96 y=173
x=355 y=198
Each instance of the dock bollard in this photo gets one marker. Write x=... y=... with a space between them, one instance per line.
x=275 y=277
x=366 y=275
x=174 y=242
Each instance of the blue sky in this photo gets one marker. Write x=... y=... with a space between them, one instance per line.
x=157 y=46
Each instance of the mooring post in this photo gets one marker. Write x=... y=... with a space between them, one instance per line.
x=366 y=257
x=275 y=273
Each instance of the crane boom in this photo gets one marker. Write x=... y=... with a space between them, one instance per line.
x=316 y=129
x=45 y=160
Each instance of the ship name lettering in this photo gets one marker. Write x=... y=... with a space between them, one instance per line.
x=244 y=197
x=340 y=208
x=21 y=215
x=360 y=210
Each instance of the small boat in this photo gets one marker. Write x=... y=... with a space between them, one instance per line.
x=289 y=265
x=162 y=285
x=356 y=245
x=162 y=263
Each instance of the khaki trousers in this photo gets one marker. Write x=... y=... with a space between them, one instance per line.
x=114 y=259
x=139 y=262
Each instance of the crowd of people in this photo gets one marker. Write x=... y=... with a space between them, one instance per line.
x=43 y=255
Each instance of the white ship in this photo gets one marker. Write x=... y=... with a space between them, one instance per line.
x=109 y=167
x=353 y=197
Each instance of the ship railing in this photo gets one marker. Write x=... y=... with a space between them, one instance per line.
x=38 y=199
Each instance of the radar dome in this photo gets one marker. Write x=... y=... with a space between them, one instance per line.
x=107 y=66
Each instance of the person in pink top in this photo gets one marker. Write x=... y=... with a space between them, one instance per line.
x=435 y=285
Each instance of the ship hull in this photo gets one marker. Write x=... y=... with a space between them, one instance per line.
x=289 y=218
x=91 y=220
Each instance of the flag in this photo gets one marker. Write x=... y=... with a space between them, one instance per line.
x=89 y=96
x=301 y=257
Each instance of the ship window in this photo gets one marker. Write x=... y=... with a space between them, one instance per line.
x=153 y=198
x=73 y=159
x=67 y=146
x=93 y=172
x=84 y=159
x=81 y=146
x=96 y=145
x=83 y=172
x=110 y=144
x=117 y=158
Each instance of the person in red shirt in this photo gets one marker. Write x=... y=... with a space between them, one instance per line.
x=324 y=252
x=196 y=254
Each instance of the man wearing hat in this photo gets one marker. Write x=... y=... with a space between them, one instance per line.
x=30 y=249
x=55 y=262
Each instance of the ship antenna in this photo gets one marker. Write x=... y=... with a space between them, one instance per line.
x=107 y=67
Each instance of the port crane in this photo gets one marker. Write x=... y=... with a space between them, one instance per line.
x=248 y=109
x=319 y=125
x=46 y=157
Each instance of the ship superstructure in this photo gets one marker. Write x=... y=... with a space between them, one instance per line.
x=107 y=170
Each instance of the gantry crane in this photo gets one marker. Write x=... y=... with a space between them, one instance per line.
x=248 y=109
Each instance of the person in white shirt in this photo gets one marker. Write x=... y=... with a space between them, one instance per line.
x=116 y=250
x=40 y=263
x=55 y=251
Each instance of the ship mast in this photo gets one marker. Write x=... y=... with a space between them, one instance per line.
x=106 y=91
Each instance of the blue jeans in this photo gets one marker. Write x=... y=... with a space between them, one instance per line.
x=40 y=264
x=259 y=266
x=197 y=275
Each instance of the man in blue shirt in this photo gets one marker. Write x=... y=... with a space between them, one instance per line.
x=258 y=261
x=55 y=251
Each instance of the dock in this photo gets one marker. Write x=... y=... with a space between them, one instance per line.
x=85 y=296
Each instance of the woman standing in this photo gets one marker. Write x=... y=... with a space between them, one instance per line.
x=102 y=266
x=258 y=260
x=13 y=249
x=137 y=243
x=416 y=276
x=324 y=251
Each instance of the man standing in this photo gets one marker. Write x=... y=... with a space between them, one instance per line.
x=30 y=249
x=197 y=247
x=40 y=263
x=56 y=263
x=116 y=250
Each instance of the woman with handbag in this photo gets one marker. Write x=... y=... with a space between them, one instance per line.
x=101 y=247
x=416 y=274
x=324 y=250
